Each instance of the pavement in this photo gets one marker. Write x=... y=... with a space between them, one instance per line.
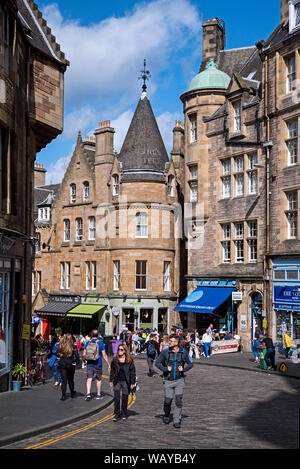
x=38 y=409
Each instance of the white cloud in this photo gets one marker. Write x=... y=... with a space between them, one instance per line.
x=106 y=56
x=121 y=125
x=166 y=123
x=80 y=119
x=56 y=171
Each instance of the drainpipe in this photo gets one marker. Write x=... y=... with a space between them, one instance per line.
x=267 y=145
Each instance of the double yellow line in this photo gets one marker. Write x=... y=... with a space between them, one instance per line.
x=132 y=399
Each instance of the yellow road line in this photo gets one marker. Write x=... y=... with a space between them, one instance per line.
x=80 y=430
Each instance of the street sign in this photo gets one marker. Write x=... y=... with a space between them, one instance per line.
x=237 y=296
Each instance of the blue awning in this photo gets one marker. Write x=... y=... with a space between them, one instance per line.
x=205 y=299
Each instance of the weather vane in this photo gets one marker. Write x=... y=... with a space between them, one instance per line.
x=145 y=75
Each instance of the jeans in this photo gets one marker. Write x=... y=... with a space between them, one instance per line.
x=287 y=349
x=206 y=348
x=174 y=388
x=150 y=362
x=56 y=373
x=255 y=349
x=121 y=386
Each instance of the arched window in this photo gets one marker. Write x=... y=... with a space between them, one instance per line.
x=72 y=193
x=79 y=229
x=115 y=184
x=141 y=225
x=86 y=191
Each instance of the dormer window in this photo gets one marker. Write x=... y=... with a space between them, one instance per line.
x=237 y=116
x=294 y=14
x=44 y=214
x=86 y=191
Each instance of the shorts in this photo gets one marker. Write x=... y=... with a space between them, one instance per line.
x=94 y=370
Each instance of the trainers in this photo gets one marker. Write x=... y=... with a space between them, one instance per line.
x=88 y=397
x=176 y=425
x=124 y=418
x=99 y=396
x=166 y=419
x=116 y=418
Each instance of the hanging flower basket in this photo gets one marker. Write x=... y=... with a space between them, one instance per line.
x=135 y=314
x=107 y=316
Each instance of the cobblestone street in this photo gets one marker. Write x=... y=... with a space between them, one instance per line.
x=222 y=408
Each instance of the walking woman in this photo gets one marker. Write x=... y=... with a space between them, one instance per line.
x=122 y=379
x=69 y=358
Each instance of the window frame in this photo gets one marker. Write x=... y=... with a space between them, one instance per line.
x=79 y=237
x=141 y=225
x=140 y=276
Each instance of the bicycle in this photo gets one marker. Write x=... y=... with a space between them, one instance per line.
x=36 y=370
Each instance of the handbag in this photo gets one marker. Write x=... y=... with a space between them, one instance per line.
x=52 y=361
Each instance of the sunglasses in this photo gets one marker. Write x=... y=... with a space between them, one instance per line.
x=120 y=350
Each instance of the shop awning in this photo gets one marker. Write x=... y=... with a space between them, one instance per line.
x=85 y=311
x=205 y=299
x=55 y=309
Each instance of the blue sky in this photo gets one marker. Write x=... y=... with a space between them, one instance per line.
x=106 y=43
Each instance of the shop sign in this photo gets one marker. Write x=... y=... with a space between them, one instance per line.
x=287 y=298
x=26 y=332
x=243 y=322
x=65 y=299
x=36 y=319
x=92 y=300
x=215 y=283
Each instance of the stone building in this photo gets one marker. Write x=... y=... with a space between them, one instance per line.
x=31 y=115
x=109 y=252
x=242 y=180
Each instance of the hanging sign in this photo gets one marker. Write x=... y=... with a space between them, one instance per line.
x=243 y=322
x=237 y=296
x=26 y=332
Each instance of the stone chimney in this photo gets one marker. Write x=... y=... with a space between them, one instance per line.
x=284 y=11
x=104 y=158
x=39 y=175
x=213 y=40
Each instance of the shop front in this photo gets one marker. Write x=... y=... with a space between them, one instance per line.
x=211 y=302
x=5 y=316
x=286 y=299
x=53 y=316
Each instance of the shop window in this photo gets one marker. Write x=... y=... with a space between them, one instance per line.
x=146 y=316
x=162 y=320
x=128 y=318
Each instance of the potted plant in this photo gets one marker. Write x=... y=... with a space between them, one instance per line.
x=19 y=372
x=135 y=314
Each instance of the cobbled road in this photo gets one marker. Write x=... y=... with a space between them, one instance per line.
x=223 y=408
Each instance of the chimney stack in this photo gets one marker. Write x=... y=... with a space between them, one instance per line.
x=284 y=11
x=39 y=175
x=213 y=40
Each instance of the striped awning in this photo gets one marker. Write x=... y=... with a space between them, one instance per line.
x=85 y=311
x=55 y=309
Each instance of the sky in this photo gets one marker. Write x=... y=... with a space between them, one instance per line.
x=106 y=42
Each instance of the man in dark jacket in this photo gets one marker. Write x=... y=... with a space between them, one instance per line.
x=152 y=348
x=173 y=361
x=270 y=355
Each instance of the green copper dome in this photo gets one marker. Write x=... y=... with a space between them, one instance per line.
x=210 y=78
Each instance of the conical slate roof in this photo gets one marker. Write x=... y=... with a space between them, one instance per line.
x=143 y=153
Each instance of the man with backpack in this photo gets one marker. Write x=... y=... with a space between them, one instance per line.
x=152 y=349
x=173 y=361
x=94 y=350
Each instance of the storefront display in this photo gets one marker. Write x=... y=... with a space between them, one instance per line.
x=4 y=319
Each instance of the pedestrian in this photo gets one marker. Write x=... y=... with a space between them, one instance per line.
x=53 y=363
x=164 y=343
x=122 y=379
x=68 y=359
x=94 y=351
x=288 y=344
x=270 y=355
x=257 y=341
x=152 y=350
x=173 y=361
x=193 y=348
x=135 y=342
x=206 y=340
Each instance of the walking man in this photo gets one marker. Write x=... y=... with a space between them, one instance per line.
x=173 y=361
x=93 y=352
x=152 y=348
